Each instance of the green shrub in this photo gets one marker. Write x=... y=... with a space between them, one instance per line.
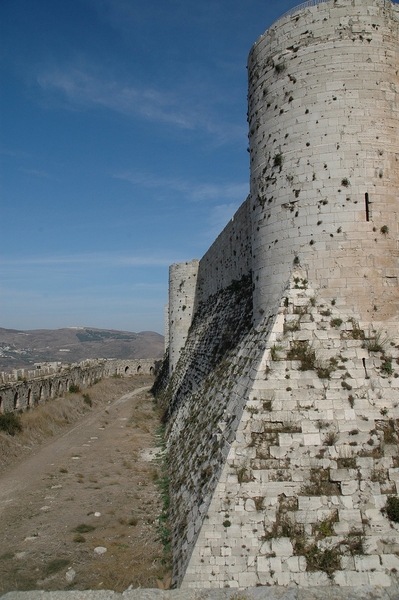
x=336 y=322
x=226 y=523
x=386 y=367
x=83 y=528
x=87 y=399
x=392 y=508
x=74 y=389
x=278 y=160
x=10 y=423
x=304 y=353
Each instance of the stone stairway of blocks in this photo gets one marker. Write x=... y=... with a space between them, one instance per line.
x=303 y=496
x=316 y=454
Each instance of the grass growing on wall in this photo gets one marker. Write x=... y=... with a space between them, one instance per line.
x=163 y=529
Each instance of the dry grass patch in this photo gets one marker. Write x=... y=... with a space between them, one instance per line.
x=47 y=420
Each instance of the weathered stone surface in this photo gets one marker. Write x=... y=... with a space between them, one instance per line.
x=285 y=431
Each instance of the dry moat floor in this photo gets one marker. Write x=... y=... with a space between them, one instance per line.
x=80 y=478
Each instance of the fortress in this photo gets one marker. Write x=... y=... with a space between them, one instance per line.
x=281 y=401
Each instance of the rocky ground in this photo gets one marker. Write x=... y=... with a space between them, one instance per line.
x=79 y=511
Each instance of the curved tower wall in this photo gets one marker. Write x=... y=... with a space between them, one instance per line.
x=324 y=148
x=182 y=288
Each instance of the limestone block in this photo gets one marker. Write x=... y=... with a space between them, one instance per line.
x=349 y=487
x=312 y=439
x=347 y=563
x=343 y=474
x=346 y=502
x=374 y=514
x=247 y=579
x=367 y=563
x=282 y=547
x=390 y=561
x=394 y=474
x=315 y=579
x=350 y=516
x=350 y=578
x=309 y=503
x=250 y=505
x=380 y=579
x=266 y=548
x=278 y=452
x=342 y=528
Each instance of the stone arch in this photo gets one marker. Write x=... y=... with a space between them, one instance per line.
x=50 y=389
x=139 y=369
x=29 y=398
x=59 y=389
x=16 y=400
x=151 y=370
x=127 y=369
x=41 y=392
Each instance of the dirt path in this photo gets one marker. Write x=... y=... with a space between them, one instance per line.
x=93 y=486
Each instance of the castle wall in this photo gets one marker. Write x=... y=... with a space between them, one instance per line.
x=323 y=120
x=23 y=389
x=192 y=283
x=229 y=257
x=283 y=438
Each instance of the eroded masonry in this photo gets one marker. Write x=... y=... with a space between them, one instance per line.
x=282 y=398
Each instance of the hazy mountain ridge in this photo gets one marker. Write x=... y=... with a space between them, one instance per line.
x=20 y=349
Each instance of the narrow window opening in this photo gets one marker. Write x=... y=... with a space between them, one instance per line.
x=364 y=367
x=367 y=203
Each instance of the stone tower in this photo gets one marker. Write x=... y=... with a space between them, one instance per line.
x=324 y=147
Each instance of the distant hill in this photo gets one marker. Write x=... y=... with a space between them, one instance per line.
x=20 y=349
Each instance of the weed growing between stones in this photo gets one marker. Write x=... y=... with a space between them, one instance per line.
x=325 y=528
x=386 y=367
x=391 y=509
x=303 y=352
x=244 y=475
x=356 y=333
x=376 y=341
x=336 y=322
x=284 y=525
x=320 y=485
x=274 y=350
x=324 y=369
x=328 y=560
x=331 y=438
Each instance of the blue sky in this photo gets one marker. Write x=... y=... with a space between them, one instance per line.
x=123 y=142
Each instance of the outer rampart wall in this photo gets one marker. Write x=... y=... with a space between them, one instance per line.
x=229 y=257
x=28 y=388
x=323 y=119
x=182 y=287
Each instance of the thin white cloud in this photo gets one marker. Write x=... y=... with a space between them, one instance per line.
x=86 y=90
x=82 y=89
x=195 y=192
x=37 y=173
x=103 y=260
